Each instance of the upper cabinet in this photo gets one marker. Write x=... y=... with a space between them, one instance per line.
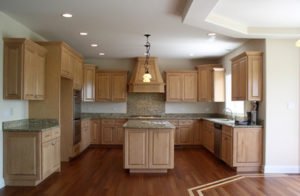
x=78 y=73
x=247 y=76
x=211 y=83
x=181 y=86
x=111 y=86
x=88 y=91
x=24 y=69
x=67 y=68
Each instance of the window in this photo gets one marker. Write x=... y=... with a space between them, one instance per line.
x=237 y=107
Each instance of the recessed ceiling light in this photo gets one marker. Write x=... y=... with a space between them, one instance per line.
x=94 y=45
x=211 y=34
x=101 y=54
x=191 y=54
x=67 y=15
x=83 y=33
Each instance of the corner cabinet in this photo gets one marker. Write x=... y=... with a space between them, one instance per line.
x=111 y=86
x=149 y=150
x=186 y=132
x=181 y=86
x=30 y=156
x=208 y=135
x=211 y=83
x=247 y=76
x=112 y=131
x=23 y=70
x=88 y=91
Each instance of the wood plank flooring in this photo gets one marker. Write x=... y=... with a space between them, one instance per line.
x=100 y=172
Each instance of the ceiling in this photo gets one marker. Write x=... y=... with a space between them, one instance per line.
x=178 y=28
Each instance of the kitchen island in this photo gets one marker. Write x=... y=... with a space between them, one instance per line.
x=148 y=146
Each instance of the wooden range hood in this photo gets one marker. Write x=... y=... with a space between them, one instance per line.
x=136 y=84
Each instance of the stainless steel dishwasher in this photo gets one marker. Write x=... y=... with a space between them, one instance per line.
x=218 y=139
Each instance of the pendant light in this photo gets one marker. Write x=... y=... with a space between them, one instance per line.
x=147 y=76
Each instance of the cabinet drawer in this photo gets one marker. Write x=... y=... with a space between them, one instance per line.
x=120 y=123
x=108 y=122
x=47 y=135
x=174 y=122
x=227 y=130
x=186 y=122
x=56 y=132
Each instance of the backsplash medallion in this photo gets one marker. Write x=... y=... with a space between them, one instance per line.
x=146 y=104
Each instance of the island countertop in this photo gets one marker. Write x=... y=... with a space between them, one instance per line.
x=149 y=124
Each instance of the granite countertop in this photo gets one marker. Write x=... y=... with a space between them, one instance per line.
x=230 y=123
x=30 y=125
x=147 y=117
x=149 y=124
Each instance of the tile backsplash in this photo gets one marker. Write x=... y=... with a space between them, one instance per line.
x=145 y=104
x=150 y=104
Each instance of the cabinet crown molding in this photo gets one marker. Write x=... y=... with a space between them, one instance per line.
x=247 y=53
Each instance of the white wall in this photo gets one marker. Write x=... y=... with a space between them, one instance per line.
x=282 y=107
x=10 y=109
x=164 y=64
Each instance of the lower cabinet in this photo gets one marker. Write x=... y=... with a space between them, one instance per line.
x=112 y=131
x=30 y=157
x=242 y=148
x=186 y=132
x=208 y=135
x=51 y=156
x=226 y=148
x=85 y=134
x=95 y=129
x=149 y=150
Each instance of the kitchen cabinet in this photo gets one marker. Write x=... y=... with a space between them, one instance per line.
x=23 y=69
x=67 y=68
x=211 y=83
x=241 y=147
x=88 y=91
x=78 y=73
x=181 y=86
x=247 y=149
x=95 y=131
x=112 y=131
x=58 y=103
x=227 y=144
x=111 y=86
x=186 y=132
x=208 y=135
x=198 y=132
x=85 y=134
x=247 y=76
x=31 y=156
x=149 y=150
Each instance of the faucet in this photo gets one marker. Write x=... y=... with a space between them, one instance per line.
x=231 y=113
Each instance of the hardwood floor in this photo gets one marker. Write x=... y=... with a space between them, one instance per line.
x=100 y=172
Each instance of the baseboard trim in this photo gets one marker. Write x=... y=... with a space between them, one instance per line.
x=2 y=183
x=289 y=169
